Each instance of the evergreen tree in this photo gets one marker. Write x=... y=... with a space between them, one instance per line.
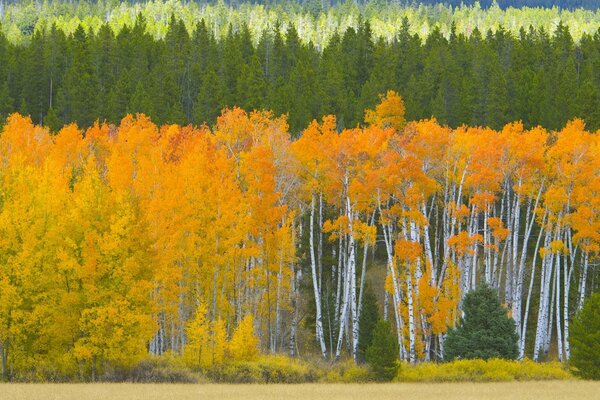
x=585 y=339
x=252 y=86
x=5 y=103
x=485 y=331
x=81 y=82
x=52 y=121
x=209 y=100
x=382 y=354
x=369 y=317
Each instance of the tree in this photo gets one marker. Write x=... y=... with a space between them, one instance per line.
x=389 y=113
x=485 y=331
x=244 y=343
x=381 y=354
x=585 y=339
x=52 y=121
x=369 y=317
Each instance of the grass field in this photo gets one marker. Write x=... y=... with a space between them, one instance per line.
x=571 y=390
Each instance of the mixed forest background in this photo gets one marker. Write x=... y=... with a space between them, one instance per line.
x=76 y=72
x=205 y=182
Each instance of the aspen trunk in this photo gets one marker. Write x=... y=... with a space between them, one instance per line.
x=582 y=281
x=542 y=320
x=313 y=264
x=530 y=291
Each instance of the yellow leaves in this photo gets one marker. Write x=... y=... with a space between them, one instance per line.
x=556 y=198
x=203 y=339
x=558 y=246
x=114 y=332
x=9 y=301
x=389 y=113
x=243 y=345
x=365 y=233
x=106 y=234
x=339 y=225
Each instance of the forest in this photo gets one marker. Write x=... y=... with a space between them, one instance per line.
x=287 y=192
x=484 y=79
x=119 y=241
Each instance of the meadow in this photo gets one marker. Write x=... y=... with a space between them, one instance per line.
x=572 y=390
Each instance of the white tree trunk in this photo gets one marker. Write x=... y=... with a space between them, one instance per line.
x=527 y=306
x=317 y=292
x=582 y=281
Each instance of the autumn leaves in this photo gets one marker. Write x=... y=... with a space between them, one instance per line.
x=119 y=241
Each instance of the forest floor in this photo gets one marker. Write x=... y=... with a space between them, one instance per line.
x=571 y=390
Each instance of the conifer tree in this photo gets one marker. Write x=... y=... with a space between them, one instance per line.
x=382 y=353
x=485 y=331
x=585 y=339
x=369 y=317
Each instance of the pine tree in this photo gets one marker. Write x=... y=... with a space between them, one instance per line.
x=585 y=339
x=382 y=353
x=6 y=105
x=369 y=317
x=52 y=121
x=485 y=331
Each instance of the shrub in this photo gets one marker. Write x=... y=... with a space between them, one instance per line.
x=477 y=370
x=153 y=370
x=348 y=372
x=585 y=340
x=268 y=369
x=382 y=354
x=485 y=331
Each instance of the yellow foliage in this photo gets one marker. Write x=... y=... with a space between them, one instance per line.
x=494 y=370
x=389 y=113
x=243 y=345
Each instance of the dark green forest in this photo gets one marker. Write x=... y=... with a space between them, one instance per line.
x=486 y=79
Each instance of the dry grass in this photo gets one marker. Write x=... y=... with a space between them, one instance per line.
x=571 y=390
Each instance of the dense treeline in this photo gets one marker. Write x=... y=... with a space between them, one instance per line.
x=121 y=241
x=487 y=79
x=566 y=4
x=314 y=22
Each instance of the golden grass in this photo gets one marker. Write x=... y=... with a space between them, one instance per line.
x=571 y=390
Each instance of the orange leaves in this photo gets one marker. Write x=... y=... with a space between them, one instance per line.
x=482 y=200
x=497 y=228
x=463 y=243
x=408 y=250
x=194 y=229
x=233 y=130
x=337 y=226
x=24 y=142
